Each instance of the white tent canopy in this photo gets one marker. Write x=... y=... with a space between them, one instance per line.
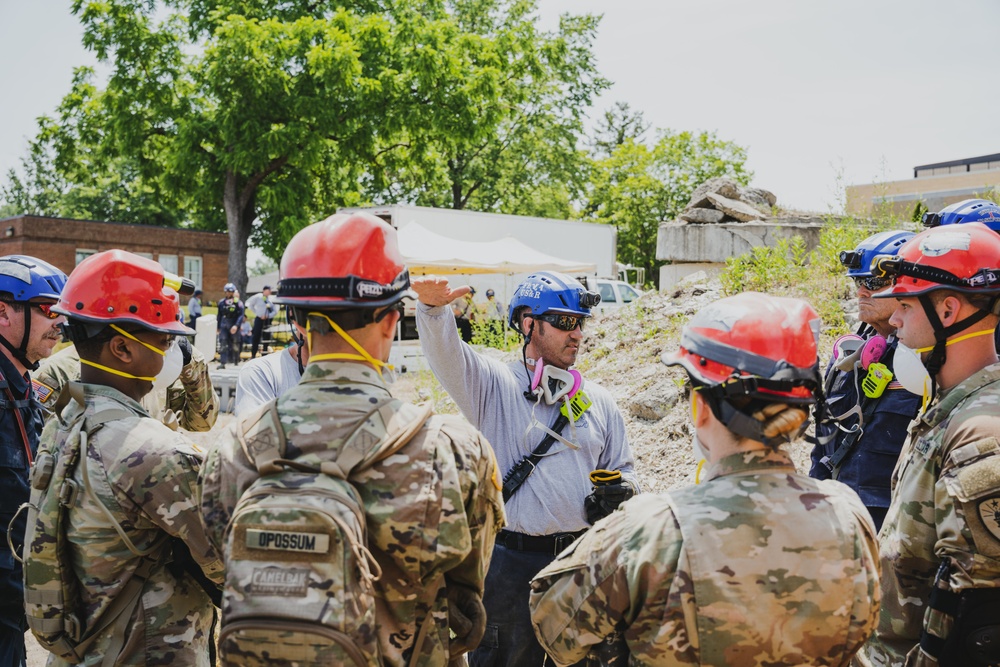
x=428 y=253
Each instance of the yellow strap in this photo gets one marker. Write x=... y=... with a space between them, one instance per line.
x=114 y=372
x=141 y=342
x=605 y=476
x=362 y=352
x=974 y=334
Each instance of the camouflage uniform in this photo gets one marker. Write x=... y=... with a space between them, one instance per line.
x=946 y=499
x=758 y=565
x=433 y=508
x=146 y=476
x=190 y=403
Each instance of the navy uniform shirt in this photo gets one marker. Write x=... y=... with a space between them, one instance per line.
x=14 y=469
x=868 y=468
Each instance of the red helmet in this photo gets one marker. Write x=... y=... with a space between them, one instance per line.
x=963 y=258
x=346 y=261
x=116 y=287
x=753 y=345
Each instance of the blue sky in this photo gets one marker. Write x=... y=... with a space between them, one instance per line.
x=822 y=94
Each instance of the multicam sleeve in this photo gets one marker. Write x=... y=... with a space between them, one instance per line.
x=483 y=503
x=225 y=475
x=588 y=592
x=162 y=480
x=193 y=397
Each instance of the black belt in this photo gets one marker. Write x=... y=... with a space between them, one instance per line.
x=551 y=544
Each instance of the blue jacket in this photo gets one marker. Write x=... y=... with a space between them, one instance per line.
x=14 y=488
x=230 y=314
x=868 y=468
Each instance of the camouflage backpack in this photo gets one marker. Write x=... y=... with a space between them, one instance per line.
x=299 y=576
x=53 y=605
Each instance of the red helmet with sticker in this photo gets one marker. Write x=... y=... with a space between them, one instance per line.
x=963 y=258
x=346 y=261
x=764 y=346
x=117 y=287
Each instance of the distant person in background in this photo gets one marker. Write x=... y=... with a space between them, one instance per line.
x=263 y=310
x=495 y=314
x=230 y=318
x=464 y=309
x=246 y=332
x=194 y=309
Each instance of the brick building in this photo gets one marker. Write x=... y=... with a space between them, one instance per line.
x=199 y=256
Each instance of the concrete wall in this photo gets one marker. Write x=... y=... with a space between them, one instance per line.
x=706 y=247
x=682 y=242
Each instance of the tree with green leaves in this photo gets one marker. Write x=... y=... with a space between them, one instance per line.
x=260 y=116
x=637 y=187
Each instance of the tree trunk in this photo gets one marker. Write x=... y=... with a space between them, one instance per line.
x=239 y=221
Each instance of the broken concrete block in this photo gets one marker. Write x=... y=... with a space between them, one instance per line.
x=735 y=208
x=702 y=215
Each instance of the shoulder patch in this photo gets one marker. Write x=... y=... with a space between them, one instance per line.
x=989 y=514
x=43 y=392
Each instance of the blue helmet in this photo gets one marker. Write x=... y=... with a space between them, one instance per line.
x=25 y=278
x=969 y=210
x=859 y=261
x=230 y=287
x=551 y=292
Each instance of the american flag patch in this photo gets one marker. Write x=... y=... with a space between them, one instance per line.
x=43 y=392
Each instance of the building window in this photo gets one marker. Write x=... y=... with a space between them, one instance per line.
x=147 y=255
x=169 y=263
x=82 y=254
x=192 y=269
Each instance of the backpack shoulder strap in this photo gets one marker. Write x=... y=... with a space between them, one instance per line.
x=262 y=438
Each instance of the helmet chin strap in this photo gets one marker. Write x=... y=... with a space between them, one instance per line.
x=362 y=354
x=935 y=360
x=21 y=352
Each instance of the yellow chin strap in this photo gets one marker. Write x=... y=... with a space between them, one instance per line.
x=974 y=334
x=362 y=354
x=123 y=373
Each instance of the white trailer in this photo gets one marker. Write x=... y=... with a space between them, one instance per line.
x=576 y=241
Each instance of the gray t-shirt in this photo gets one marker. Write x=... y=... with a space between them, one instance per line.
x=264 y=378
x=491 y=395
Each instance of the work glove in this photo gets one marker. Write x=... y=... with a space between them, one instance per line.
x=609 y=491
x=185 y=344
x=466 y=619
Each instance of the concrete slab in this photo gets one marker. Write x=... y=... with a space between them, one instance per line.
x=681 y=242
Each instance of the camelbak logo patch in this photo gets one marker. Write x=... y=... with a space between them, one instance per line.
x=280 y=540
x=279 y=581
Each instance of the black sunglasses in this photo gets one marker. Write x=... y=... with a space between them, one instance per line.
x=562 y=322
x=872 y=283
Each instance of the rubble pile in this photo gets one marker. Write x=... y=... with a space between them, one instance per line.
x=720 y=200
